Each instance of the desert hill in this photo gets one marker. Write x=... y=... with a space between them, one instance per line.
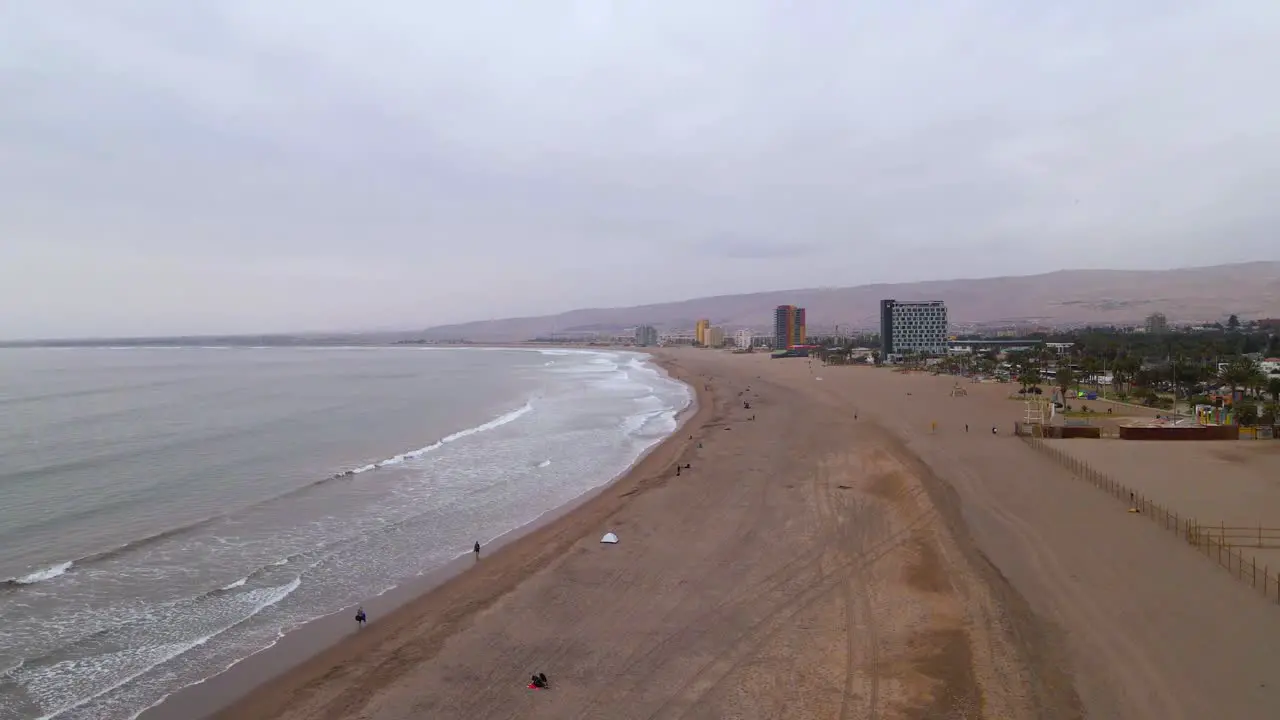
x=1065 y=297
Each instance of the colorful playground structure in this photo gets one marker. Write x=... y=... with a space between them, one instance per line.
x=1215 y=415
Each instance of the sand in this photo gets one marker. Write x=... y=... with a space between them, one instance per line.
x=813 y=565
x=1231 y=484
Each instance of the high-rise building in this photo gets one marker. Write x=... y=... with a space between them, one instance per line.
x=788 y=327
x=700 y=331
x=742 y=339
x=714 y=336
x=646 y=336
x=1157 y=324
x=913 y=327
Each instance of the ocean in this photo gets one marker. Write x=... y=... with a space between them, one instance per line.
x=167 y=512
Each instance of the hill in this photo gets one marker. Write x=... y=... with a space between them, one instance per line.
x=1061 y=298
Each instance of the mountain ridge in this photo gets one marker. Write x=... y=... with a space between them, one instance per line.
x=1059 y=297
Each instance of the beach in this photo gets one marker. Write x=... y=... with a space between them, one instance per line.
x=843 y=548
x=170 y=512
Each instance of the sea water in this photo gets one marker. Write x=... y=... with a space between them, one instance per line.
x=167 y=512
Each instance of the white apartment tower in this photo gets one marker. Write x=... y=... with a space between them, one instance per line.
x=742 y=339
x=913 y=327
x=646 y=336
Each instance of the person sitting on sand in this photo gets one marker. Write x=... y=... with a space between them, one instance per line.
x=361 y=618
x=538 y=682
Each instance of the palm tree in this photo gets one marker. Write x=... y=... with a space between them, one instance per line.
x=1065 y=378
x=1238 y=373
x=1030 y=378
x=1247 y=414
x=1125 y=372
x=1090 y=366
x=1257 y=381
x=1273 y=389
x=1184 y=374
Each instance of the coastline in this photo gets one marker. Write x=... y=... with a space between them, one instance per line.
x=814 y=564
x=261 y=684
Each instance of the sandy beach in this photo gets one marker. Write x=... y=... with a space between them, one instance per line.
x=842 y=549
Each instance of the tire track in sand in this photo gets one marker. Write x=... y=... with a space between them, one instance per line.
x=748 y=641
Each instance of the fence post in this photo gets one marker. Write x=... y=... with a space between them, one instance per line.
x=1255 y=571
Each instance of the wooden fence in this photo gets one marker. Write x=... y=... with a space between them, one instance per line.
x=1220 y=542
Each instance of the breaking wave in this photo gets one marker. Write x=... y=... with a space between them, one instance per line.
x=59 y=569
x=40 y=575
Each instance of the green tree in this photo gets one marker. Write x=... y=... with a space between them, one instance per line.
x=1125 y=372
x=1247 y=414
x=1030 y=377
x=1233 y=323
x=1270 y=414
x=1273 y=388
x=1238 y=373
x=1257 y=382
x=1090 y=367
x=1185 y=374
x=1065 y=378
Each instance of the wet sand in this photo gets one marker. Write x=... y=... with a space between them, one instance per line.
x=814 y=565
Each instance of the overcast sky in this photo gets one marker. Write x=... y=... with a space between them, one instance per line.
x=237 y=165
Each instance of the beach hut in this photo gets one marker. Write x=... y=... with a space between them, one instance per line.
x=609 y=538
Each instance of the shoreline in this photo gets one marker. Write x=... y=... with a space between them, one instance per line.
x=320 y=646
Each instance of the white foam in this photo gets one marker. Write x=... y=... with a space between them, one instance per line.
x=235 y=584
x=154 y=656
x=415 y=454
x=650 y=389
x=43 y=574
x=279 y=636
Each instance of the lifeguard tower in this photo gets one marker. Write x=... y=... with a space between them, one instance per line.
x=1038 y=411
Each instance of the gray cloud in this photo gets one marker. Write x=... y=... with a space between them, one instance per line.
x=736 y=247
x=237 y=165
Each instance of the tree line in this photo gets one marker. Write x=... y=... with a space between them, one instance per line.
x=1175 y=370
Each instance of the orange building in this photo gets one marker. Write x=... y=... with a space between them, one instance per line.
x=788 y=327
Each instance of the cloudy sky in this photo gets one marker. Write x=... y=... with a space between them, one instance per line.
x=238 y=165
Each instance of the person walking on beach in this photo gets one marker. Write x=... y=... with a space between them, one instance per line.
x=361 y=618
x=477 y=549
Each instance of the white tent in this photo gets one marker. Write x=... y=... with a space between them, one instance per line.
x=609 y=538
